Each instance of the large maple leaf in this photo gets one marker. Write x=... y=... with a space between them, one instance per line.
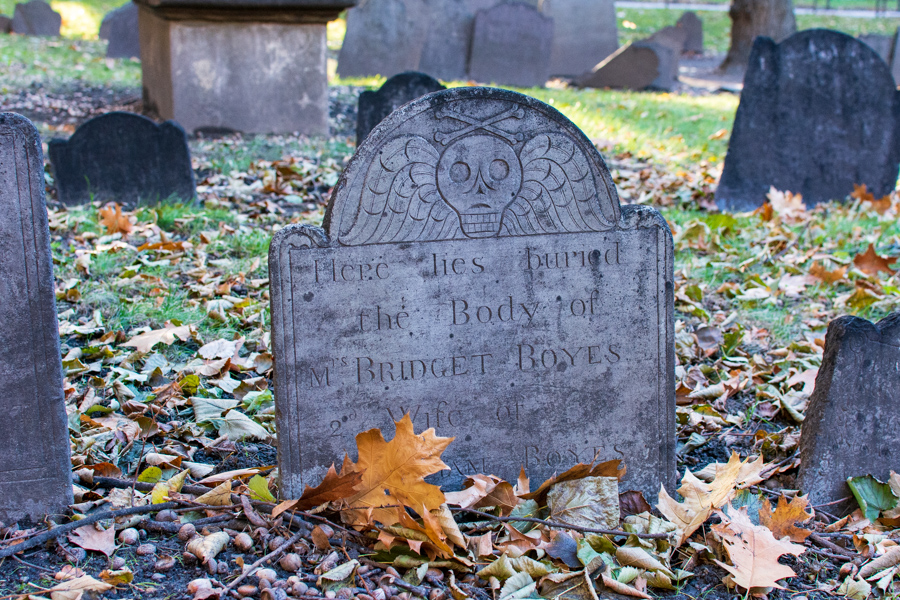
x=786 y=518
x=394 y=473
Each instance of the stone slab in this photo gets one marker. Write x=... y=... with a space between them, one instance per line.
x=384 y=37
x=35 y=469
x=818 y=114
x=36 y=18
x=120 y=29
x=693 y=25
x=5 y=24
x=883 y=45
x=477 y=271
x=853 y=418
x=584 y=33
x=635 y=66
x=125 y=158
x=374 y=106
x=511 y=45
x=445 y=54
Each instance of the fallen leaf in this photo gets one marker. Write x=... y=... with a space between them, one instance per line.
x=90 y=537
x=207 y=547
x=484 y=491
x=873 y=496
x=120 y=576
x=167 y=335
x=784 y=520
x=588 y=502
x=819 y=271
x=113 y=220
x=787 y=205
x=218 y=496
x=610 y=468
x=871 y=264
x=333 y=487
x=889 y=559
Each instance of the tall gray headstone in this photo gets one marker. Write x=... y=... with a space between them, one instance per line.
x=852 y=423
x=693 y=25
x=374 y=106
x=120 y=29
x=476 y=270
x=819 y=113
x=35 y=468
x=584 y=33
x=36 y=18
x=445 y=54
x=384 y=37
x=511 y=45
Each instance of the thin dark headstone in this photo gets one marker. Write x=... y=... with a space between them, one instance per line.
x=35 y=469
x=818 y=114
x=125 y=158
x=384 y=37
x=5 y=24
x=511 y=45
x=36 y=18
x=396 y=91
x=477 y=271
x=120 y=29
x=852 y=423
x=895 y=57
x=883 y=45
x=584 y=33
x=445 y=54
x=634 y=66
x=693 y=26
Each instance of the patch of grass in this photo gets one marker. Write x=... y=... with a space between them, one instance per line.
x=80 y=19
x=26 y=61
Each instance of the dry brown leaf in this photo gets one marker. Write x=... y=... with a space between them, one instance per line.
x=90 y=537
x=753 y=550
x=621 y=588
x=218 y=496
x=485 y=490
x=448 y=524
x=82 y=584
x=207 y=547
x=321 y=538
x=784 y=519
x=394 y=472
x=333 y=487
x=861 y=193
x=113 y=220
x=787 y=205
x=167 y=335
x=610 y=468
x=819 y=271
x=871 y=264
x=889 y=559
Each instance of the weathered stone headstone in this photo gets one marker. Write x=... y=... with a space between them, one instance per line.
x=5 y=24
x=883 y=45
x=35 y=469
x=895 y=57
x=120 y=29
x=36 y=18
x=477 y=271
x=125 y=158
x=634 y=66
x=584 y=33
x=818 y=114
x=445 y=54
x=398 y=90
x=693 y=25
x=511 y=45
x=384 y=37
x=852 y=423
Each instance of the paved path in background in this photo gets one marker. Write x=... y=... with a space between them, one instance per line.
x=832 y=12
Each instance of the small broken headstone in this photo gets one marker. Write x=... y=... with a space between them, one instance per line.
x=125 y=158
x=384 y=37
x=634 y=66
x=5 y=24
x=398 y=90
x=853 y=419
x=120 y=29
x=445 y=54
x=819 y=113
x=693 y=26
x=36 y=18
x=584 y=33
x=35 y=470
x=477 y=271
x=511 y=45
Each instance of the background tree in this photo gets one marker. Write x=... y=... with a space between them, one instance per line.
x=752 y=18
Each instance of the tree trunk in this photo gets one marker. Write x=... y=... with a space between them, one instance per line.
x=753 y=18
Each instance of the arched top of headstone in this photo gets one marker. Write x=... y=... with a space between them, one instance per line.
x=472 y=163
x=104 y=126
x=827 y=49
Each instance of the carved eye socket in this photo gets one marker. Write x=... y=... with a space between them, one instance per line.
x=499 y=170
x=460 y=172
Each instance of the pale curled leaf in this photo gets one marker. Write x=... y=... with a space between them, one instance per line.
x=207 y=547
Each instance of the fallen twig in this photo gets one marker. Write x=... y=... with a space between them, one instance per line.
x=831 y=546
x=555 y=525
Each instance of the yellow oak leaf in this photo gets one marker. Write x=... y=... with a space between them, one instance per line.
x=784 y=520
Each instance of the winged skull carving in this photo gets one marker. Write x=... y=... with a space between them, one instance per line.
x=478 y=186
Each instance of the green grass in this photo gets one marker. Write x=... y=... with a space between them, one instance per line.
x=25 y=61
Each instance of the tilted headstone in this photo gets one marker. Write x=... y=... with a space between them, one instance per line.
x=511 y=45
x=818 y=114
x=477 y=271
x=853 y=419
x=398 y=90
x=36 y=18
x=883 y=45
x=445 y=54
x=584 y=33
x=125 y=158
x=120 y=29
x=5 y=24
x=693 y=25
x=35 y=470
x=895 y=57
x=634 y=66
x=384 y=37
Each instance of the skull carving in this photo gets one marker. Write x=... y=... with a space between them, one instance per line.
x=479 y=176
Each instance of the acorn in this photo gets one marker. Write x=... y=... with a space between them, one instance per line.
x=186 y=532
x=242 y=542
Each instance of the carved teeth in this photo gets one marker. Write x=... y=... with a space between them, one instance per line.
x=480 y=222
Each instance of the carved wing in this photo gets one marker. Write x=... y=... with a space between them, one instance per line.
x=400 y=201
x=558 y=192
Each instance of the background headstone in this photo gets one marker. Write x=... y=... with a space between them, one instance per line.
x=895 y=57
x=5 y=24
x=120 y=29
x=853 y=419
x=35 y=469
x=584 y=33
x=511 y=45
x=693 y=25
x=445 y=54
x=384 y=37
x=36 y=18
x=881 y=44
x=125 y=158
x=634 y=66
x=818 y=114
x=515 y=307
x=398 y=90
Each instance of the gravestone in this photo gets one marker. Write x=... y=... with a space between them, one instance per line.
x=445 y=54
x=398 y=90
x=634 y=66
x=384 y=37
x=511 y=45
x=35 y=468
x=883 y=45
x=818 y=114
x=477 y=271
x=693 y=26
x=125 y=158
x=5 y=24
x=584 y=33
x=120 y=29
x=853 y=417
x=895 y=57
x=36 y=18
